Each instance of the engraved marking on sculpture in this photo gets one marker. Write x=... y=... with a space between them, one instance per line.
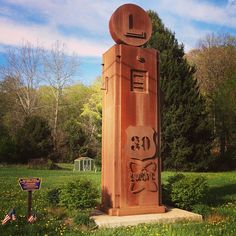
x=138 y=81
x=136 y=35
x=140 y=142
x=131 y=23
x=143 y=177
x=131 y=32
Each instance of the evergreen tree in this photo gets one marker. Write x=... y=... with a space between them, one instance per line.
x=34 y=139
x=186 y=133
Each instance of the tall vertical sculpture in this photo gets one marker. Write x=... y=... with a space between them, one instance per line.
x=131 y=127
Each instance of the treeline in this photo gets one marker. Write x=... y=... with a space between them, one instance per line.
x=198 y=130
x=78 y=133
x=42 y=114
x=215 y=63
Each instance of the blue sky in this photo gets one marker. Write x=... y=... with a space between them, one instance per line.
x=83 y=24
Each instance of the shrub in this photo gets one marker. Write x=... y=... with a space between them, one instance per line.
x=42 y=164
x=202 y=209
x=167 y=189
x=53 y=196
x=58 y=213
x=79 y=194
x=186 y=191
x=83 y=219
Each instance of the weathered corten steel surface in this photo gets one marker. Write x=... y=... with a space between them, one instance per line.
x=131 y=140
x=130 y=24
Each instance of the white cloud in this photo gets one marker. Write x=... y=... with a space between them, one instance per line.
x=90 y=15
x=200 y=11
x=12 y=33
x=231 y=7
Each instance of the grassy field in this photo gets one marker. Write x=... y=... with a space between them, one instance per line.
x=221 y=200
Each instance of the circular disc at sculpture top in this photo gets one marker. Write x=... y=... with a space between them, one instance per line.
x=131 y=25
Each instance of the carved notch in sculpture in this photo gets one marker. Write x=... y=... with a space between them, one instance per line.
x=139 y=81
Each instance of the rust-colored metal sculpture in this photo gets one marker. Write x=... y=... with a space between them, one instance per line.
x=130 y=24
x=131 y=129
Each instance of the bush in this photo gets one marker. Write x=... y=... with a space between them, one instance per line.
x=202 y=209
x=185 y=191
x=53 y=196
x=42 y=164
x=167 y=189
x=79 y=194
x=83 y=219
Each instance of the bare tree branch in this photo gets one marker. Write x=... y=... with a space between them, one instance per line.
x=59 y=69
x=22 y=67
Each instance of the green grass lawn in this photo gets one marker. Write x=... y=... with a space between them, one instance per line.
x=221 y=199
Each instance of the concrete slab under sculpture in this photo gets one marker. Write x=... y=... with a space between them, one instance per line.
x=131 y=168
x=172 y=215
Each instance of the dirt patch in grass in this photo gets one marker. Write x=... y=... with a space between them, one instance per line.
x=215 y=217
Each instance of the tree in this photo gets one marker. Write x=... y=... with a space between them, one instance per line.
x=74 y=135
x=83 y=131
x=8 y=150
x=34 y=139
x=58 y=71
x=215 y=60
x=92 y=119
x=185 y=131
x=21 y=74
x=75 y=96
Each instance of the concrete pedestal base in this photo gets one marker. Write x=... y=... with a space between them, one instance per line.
x=134 y=210
x=171 y=216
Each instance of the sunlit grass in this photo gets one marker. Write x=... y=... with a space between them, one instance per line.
x=222 y=220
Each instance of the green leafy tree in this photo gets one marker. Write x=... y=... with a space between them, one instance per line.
x=74 y=134
x=81 y=121
x=75 y=139
x=91 y=117
x=215 y=60
x=186 y=134
x=7 y=146
x=34 y=139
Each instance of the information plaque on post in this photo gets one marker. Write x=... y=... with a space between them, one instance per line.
x=131 y=127
x=29 y=185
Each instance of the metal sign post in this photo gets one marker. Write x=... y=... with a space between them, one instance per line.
x=29 y=203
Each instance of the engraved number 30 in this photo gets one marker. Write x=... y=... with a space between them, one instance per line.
x=140 y=143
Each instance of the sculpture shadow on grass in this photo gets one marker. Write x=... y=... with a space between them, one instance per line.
x=221 y=195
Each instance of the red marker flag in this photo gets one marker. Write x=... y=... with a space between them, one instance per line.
x=11 y=215
x=6 y=219
x=32 y=218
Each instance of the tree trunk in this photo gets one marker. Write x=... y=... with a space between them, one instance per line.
x=56 y=112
